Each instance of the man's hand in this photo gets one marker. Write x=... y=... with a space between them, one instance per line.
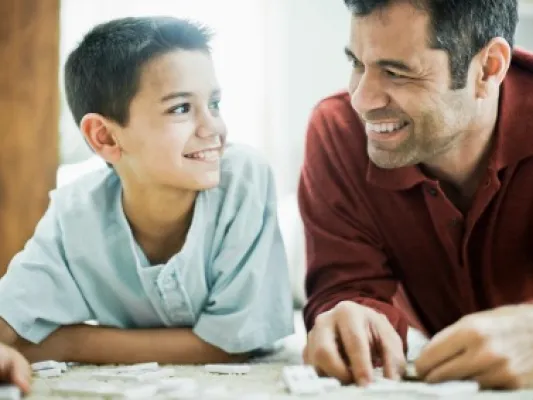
x=494 y=347
x=14 y=368
x=347 y=341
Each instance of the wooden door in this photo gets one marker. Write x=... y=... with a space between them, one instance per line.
x=29 y=106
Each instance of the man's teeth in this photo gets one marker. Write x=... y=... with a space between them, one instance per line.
x=208 y=155
x=384 y=127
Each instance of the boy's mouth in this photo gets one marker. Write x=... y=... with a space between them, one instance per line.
x=209 y=155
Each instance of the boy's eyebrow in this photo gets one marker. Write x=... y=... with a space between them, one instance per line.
x=384 y=63
x=186 y=95
x=175 y=95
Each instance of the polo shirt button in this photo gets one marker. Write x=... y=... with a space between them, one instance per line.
x=455 y=222
x=432 y=191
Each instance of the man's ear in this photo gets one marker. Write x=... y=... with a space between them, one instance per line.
x=494 y=62
x=99 y=134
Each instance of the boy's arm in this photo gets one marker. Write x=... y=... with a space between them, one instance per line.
x=7 y=334
x=103 y=345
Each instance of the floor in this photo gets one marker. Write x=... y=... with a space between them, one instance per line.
x=261 y=383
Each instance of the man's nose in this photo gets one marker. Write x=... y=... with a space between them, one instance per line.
x=367 y=94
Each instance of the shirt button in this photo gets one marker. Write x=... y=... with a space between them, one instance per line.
x=455 y=222
x=433 y=192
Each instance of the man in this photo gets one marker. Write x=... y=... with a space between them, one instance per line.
x=14 y=368
x=425 y=189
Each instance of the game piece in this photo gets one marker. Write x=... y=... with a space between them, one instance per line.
x=49 y=373
x=301 y=379
x=85 y=388
x=9 y=392
x=239 y=369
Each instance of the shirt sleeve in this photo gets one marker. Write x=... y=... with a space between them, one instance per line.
x=38 y=294
x=250 y=304
x=346 y=260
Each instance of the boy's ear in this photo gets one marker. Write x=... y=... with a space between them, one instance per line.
x=98 y=132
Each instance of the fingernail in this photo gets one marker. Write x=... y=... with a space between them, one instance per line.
x=363 y=381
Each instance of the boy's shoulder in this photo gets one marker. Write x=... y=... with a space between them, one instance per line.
x=96 y=188
x=243 y=165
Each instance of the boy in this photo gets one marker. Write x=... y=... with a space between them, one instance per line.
x=14 y=368
x=175 y=251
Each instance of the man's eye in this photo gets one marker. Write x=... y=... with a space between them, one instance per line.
x=180 y=109
x=358 y=66
x=392 y=74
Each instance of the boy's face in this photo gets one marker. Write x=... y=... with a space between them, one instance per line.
x=175 y=134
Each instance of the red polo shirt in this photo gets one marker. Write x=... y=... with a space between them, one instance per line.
x=370 y=229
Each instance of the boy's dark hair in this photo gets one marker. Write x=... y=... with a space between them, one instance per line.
x=460 y=27
x=102 y=74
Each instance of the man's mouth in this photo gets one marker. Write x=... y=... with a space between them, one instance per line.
x=385 y=127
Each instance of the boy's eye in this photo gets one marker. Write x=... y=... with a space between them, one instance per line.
x=180 y=109
x=215 y=105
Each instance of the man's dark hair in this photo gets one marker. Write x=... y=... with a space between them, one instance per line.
x=102 y=74
x=460 y=27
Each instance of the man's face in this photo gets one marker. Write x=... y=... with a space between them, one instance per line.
x=175 y=134
x=401 y=88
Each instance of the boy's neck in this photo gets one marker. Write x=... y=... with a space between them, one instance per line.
x=159 y=219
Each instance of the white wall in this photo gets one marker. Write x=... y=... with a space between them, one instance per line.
x=311 y=38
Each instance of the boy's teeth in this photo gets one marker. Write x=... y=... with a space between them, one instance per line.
x=208 y=155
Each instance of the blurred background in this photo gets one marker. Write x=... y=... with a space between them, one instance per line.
x=275 y=60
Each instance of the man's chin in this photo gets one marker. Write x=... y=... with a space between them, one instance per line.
x=389 y=159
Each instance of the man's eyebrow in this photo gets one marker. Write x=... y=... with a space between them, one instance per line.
x=384 y=63
x=395 y=64
x=350 y=55
x=186 y=95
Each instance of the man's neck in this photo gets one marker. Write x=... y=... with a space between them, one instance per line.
x=464 y=165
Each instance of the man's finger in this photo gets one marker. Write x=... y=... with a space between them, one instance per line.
x=391 y=350
x=323 y=353
x=471 y=362
x=356 y=344
x=444 y=346
x=495 y=378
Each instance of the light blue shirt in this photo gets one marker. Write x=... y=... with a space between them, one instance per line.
x=229 y=282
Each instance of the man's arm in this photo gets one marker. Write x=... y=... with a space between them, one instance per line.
x=345 y=251
x=102 y=345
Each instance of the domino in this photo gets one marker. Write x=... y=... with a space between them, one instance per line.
x=421 y=388
x=133 y=376
x=49 y=373
x=151 y=366
x=238 y=369
x=450 y=388
x=330 y=383
x=38 y=366
x=10 y=392
x=82 y=389
x=301 y=379
x=50 y=364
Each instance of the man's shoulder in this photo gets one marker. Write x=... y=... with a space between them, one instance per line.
x=336 y=129
x=337 y=103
